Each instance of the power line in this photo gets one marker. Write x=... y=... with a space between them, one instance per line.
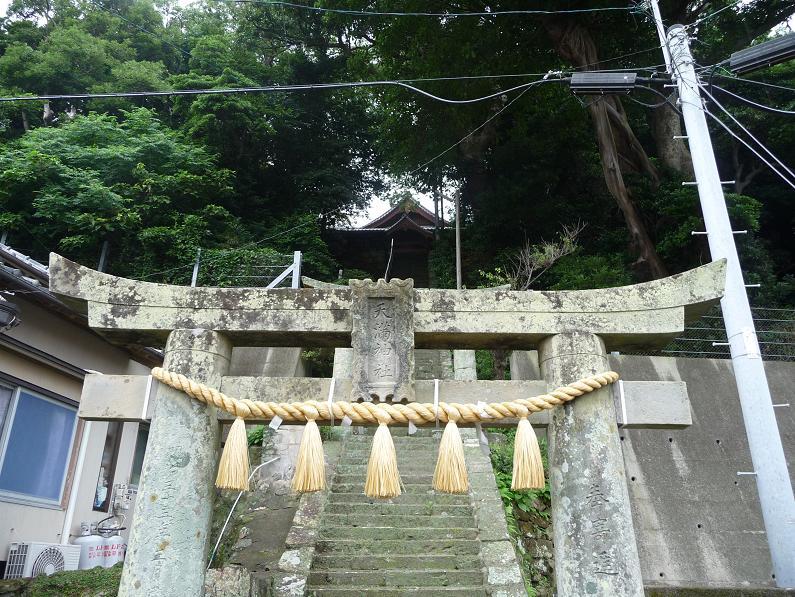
x=762 y=107
x=496 y=13
x=714 y=14
x=475 y=130
x=744 y=142
x=752 y=82
x=144 y=30
x=263 y=89
x=746 y=131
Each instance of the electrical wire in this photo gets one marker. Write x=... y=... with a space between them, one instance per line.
x=762 y=107
x=746 y=131
x=473 y=131
x=264 y=89
x=666 y=99
x=752 y=82
x=620 y=56
x=143 y=30
x=744 y=142
x=496 y=13
x=714 y=14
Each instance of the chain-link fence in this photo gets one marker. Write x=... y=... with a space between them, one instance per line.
x=706 y=338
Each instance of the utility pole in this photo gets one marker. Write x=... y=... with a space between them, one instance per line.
x=458 y=240
x=764 y=440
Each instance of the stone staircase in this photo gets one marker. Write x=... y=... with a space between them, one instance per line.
x=420 y=543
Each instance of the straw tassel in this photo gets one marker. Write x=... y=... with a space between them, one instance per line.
x=383 y=477
x=233 y=470
x=450 y=475
x=310 y=468
x=528 y=468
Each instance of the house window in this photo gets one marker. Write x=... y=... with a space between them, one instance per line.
x=140 y=451
x=36 y=441
x=107 y=467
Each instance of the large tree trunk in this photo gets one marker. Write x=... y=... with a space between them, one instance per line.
x=619 y=148
x=665 y=125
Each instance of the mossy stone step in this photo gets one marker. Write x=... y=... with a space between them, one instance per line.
x=356 y=495
x=415 y=488
x=392 y=509
x=406 y=478
x=332 y=591
x=406 y=562
x=409 y=468
x=369 y=520
x=378 y=534
x=397 y=578
x=363 y=547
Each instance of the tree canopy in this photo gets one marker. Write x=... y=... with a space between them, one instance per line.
x=158 y=177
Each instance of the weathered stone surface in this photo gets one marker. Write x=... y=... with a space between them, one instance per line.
x=167 y=550
x=639 y=315
x=382 y=314
x=230 y=581
x=595 y=548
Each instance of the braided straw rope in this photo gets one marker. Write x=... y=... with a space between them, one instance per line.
x=418 y=413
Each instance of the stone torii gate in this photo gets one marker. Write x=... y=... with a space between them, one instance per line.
x=594 y=539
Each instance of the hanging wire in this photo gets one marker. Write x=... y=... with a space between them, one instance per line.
x=752 y=82
x=714 y=14
x=270 y=89
x=477 y=128
x=754 y=104
x=747 y=132
x=496 y=13
x=747 y=145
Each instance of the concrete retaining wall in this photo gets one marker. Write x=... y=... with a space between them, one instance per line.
x=697 y=520
x=698 y=523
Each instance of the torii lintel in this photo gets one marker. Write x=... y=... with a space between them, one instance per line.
x=640 y=315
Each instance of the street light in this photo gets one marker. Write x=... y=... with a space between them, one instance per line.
x=763 y=55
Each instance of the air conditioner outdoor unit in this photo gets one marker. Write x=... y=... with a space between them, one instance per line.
x=30 y=559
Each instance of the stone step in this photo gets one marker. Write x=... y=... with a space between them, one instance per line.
x=400 y=447
x=413 y=467
x=370 y=520
x=369 y=562
x=392 y=509
x=332 y=591
x=386 y=533
x=407 y=459
x=415 y=488
x=357 y=440
x=430 y=498
x=366 y=547
x=397 y=578
x=405 y=477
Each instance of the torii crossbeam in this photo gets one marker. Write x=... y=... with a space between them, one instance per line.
x=595 y=548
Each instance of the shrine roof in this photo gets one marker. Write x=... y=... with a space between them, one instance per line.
x=413 y=212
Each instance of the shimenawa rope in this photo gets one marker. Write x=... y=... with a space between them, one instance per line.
x=383 y=479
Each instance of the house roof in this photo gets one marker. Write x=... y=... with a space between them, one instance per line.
x=28 y=277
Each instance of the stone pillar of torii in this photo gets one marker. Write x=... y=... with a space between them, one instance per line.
x=595 y=547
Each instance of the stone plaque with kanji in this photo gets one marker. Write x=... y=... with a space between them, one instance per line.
x=382 y=337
